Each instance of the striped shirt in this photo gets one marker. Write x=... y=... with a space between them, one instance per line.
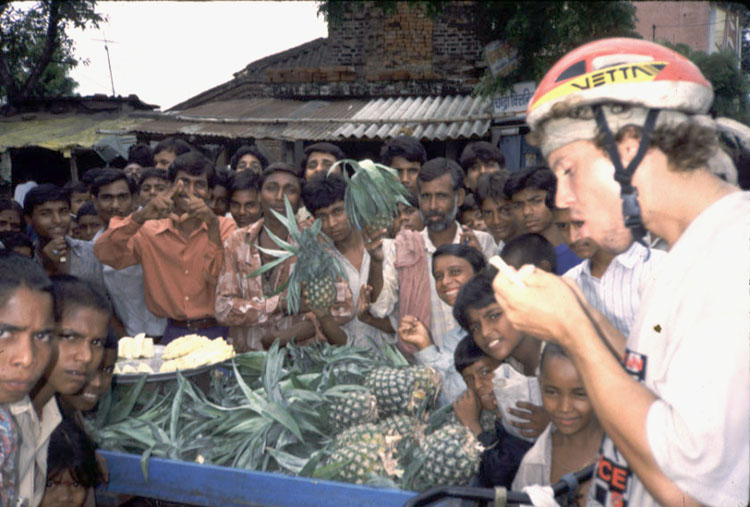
x=617 y=294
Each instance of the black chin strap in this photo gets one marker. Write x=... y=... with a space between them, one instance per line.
x=631 y=210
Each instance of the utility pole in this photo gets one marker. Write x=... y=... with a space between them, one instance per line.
x=109 y=63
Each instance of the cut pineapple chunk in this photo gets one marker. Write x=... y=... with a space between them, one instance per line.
x=145 y=368
x=184 y=345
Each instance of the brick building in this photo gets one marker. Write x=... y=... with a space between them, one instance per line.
x=379 y=73
x=704 y=26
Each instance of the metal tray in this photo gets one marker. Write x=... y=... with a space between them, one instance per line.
x=155 y=363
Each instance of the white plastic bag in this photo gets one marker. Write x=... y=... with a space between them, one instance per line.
x=510 y=386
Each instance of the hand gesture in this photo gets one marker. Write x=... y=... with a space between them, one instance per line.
x=374 y=242
x=161 y=206
x=544 y=306
x=198 y=208
x=364 y=300
x=535 y=416
x=468 y=409
x=468 y=238
x=411 y=330
x=56 y=250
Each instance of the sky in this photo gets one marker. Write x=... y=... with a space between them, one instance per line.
x=167 y=52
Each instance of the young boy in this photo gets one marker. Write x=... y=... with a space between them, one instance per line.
x=151 y=183
x=408 y=217
x=571 y=442
x=406 y=155
x=252 y=307
x=244 y=198
x=85 y=400
x=497 y=208
x=323 y=196
x=169 y=149
x=477 y=311
x=27 y=328
x=220 y=192
x=532 y=191
x=503 y=451
x=88 y=222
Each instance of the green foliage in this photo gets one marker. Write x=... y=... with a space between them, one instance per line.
x=35 y=52
x=543 y=32
x=731 y=87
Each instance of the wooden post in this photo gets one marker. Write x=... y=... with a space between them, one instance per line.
x=73 y=167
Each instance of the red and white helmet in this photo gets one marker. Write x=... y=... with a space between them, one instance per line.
x=631 y=71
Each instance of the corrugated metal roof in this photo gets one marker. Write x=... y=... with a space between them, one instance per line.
x=426 y=118
x=62 y=133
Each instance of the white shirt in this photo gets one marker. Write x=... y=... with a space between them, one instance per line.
x=441 y=314
x=360 y=333
x=125 y=288
x=443 y=361
x=689 y=346
x=536 y=465
x=617 y=294
x=35 y=436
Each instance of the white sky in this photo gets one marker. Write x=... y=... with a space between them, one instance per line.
x=167 y=52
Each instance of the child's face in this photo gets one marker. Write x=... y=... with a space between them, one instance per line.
x=499 y=218
x=88 y=226
x=531 y=211
x=245 y=207
x=472 y=218
x=450 y=274
x=564 y=396
x=63 y=491
x=27 y=328
x=95 y=388
x=150 y=188
x=478 y=378
x=77 y=199
x=408 y=218
x=82 y=332
x=492 y=331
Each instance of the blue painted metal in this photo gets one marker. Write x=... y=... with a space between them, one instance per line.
x=180 y=481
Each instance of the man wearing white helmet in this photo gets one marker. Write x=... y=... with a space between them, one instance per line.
x=621 y=124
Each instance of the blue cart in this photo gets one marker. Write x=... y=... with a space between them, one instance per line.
x=181 y=481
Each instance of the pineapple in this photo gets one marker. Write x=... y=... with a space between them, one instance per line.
x=362 y=432
x=371 y=194
x=364 y=458
x=450 y=455
x=357 y=407
x=403 y=390
x=316 y=268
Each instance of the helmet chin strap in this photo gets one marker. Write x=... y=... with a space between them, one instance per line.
x=631 y=210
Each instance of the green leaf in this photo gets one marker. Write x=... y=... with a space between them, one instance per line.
x=268 y=266
x=144 y=463
x=176 y=403
x=288 y=247
x=288 y=461
x=125 y=407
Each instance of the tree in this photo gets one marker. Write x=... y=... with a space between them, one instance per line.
x=35 y=52
x=730 y=85
x=543 y=32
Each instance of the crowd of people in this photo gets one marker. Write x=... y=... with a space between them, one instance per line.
x=168 y=247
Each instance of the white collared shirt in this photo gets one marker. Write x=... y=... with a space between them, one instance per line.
x=358 y=333
x=617 y=294
x=35 y=436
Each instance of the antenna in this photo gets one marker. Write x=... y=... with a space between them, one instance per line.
x=109 y=63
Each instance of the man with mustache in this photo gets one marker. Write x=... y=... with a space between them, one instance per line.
x=178 y=240
x=441 y=191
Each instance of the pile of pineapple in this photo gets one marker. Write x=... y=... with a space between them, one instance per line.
x=381 y=431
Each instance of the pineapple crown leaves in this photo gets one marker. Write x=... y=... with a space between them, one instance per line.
x=312 y=249
x=372 y=192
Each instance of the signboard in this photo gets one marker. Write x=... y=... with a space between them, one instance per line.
x=501 y=57
x=514 y=103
